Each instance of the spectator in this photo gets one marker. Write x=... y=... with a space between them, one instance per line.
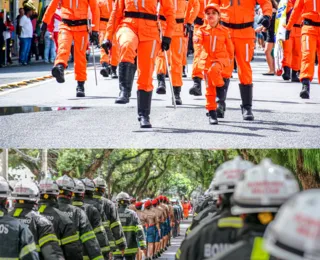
x=34 y=49
x=18 y=28
x=2 y=43
x=49 y=46
x=259 y=36
x=26 y=35
x=8 y=38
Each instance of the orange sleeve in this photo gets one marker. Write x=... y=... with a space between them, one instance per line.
x=229 y=45
x=115 y=18
x=296 y=13
x=169 y=13
x=197 y=38
x=94 y=7
x=50 y=11
x=192 y=11
x=266 y=7
x=289 y=6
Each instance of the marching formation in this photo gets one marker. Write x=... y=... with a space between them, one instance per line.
x=71 y=219
x=254 y=212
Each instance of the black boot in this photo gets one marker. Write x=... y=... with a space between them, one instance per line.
x=196 y=88
x=184 y=75
x=80 y=89
x=177 y=91
x=305 y=92
x=213 y=120
x=105 y=70
x=144 y=106
x=222 y=96
x=294 y=76
x=126 y=76
x=246 y=96
x=161 y=90
x=58 y=72
x=286 y=73
x=114 y=72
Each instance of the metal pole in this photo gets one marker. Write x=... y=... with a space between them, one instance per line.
x=5 y=40
x=44 y=162
x=4 y=163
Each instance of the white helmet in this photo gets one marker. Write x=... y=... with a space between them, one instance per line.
x=228 y=174
x=5 y=188
x=263 y=188
x=89 y=184
x=295 y=232
x=100 y=183
x=25 y=190
x=123 y=196
x=66 y=183
x=48 y=186
x=79 y=186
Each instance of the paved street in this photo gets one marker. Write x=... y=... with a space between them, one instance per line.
x=282 y=119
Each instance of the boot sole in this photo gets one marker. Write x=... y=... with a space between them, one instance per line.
x=104 y=73
x=145 y=126
x=295 y=80
x=286 y=78
x=248 y=118
x=304 y=95
x=80 y=94
x=56 y=73
x=121 y=102
x=213 y=123
x=114 y=77
x=194 y=92
x=161 y=91
x=178 y=103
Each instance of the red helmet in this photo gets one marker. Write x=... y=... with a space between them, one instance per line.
x=147 y=204
x=138 y=204
x=155 y=202
x=160 y=198
x=133 y=200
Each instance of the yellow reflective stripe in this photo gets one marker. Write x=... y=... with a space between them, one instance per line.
x=8 y=258
x=108 y=223
x=42 y=208
x=257 y=251
x=98 y=229
x=139 y=227
x=27 y=250
x=1 y=213
x=119 y=241
x=85 y=257
x=70 y=239
x=178 y=254
x=105 y=249
x=17 y=212
x=100 y=257
x=129 y=228
x=97 y=197
x=105 y=224
x=112 y=243
x=115 y=224
x=142 y=243
x=77 y=203
x=38 y=248
x=195 y=214
x=126 y=251
x=87 y=236
x=233 y=222
x=48 y=238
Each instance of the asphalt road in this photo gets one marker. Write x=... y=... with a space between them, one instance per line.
x=282 y=119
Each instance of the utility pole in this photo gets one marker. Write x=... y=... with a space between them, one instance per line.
x=44 y=162
x=4 y=163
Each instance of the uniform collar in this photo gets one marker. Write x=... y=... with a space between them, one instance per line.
x=50 y=203
x=64 y=200
x=208 y=27
x=25 y=206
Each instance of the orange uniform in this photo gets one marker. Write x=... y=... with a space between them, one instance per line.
x=217 y=54
x=74 y=14
x=186 y=207
x=309 y=11
x=292 y=46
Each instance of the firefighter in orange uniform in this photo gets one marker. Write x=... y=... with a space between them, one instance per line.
x=74 y=27
x=292 y=49
x=186 y=12
x=135 y=24
x=238 y=17
x=105 y=7
x=310 y=39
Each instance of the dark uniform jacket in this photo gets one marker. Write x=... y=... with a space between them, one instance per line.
x=111 y=222
x=133 y=231
x=64 y=229
x=45 y=238
x=82 y=224
x=96 y=223
x=17 y=241
x=210 y=238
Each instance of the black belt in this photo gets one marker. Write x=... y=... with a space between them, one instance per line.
x=310 y=22
x=75 y=22
x=180 y=20
x=198 y=21
x=297 y=25
x=146 y=16
x=162 y=18
x=104 y=19
x=237 y=25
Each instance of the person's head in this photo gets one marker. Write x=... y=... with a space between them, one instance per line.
x=147 y=204
x=21 y=11
x=66 y=186
x=101 y=186
x=138 y=205
x=79 y=189
x=212 y=14
x=155 y=202
x=49 y=189
x=28 y=11
x=26 y=192
x=90 y=187
x=5 y=191
x=123 y=199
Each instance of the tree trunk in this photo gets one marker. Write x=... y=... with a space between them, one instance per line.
x=96 y=164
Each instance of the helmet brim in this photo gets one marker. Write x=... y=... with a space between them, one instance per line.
x=237 y=210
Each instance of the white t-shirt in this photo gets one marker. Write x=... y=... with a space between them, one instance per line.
x=26 y=25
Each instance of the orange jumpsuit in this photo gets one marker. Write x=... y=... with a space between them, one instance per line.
x=105 y=7
x=240 y=13
x=74 y=11
x=139 y=36
x=292 y=47
x=186 y=12
x=218 y=53
x=186 y=208
x=309 y=11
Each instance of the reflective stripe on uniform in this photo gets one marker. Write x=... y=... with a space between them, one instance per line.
x=232 y=222
x=142 y=243
x=129 y=228
x=126 y=251
x=42 y=208
x=70 y=239
x=100 y=257
x=115 y=224
x=87 y=236
x=77 y=203
x=257 y=250
x=139 y=227
x=112 y=243
x=8 y=258
x=48 y=238
x=1 y=213
x=98 y=229
x=97 y=197
x=105 y=224
x=17 y=212
x=85 y=257
x=178 y=254
x=119 y=241
x=38 y=248
x=105 y=249
x=27 y=250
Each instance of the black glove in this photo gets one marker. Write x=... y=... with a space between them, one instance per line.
x=187 y=29
x=106 y=45
x=44 y=27
x=287 y=34
x=94 y=38
x=165 y=45
x=265 y=21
